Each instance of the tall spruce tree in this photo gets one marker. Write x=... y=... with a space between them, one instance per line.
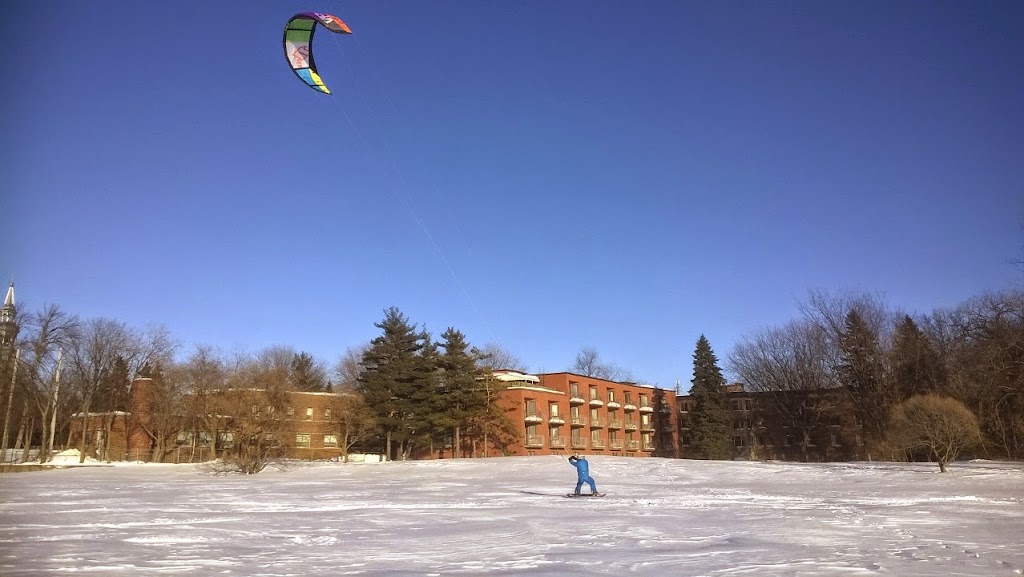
x=710 y=418
x=423 y=407
x=392 y=369
x=307 y=374
x=862 y=373
x=464 y=397
x=917 y=367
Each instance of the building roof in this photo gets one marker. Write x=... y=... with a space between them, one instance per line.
x=510 y=376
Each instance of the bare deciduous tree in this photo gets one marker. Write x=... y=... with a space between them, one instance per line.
x=353 y=420
x=103 y=359
x=349 y=366
x=790 y=364
x=158 y=408
x=49 y=332
x=496 y=357
x=588 y=363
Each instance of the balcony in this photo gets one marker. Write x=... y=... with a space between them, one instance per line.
x=630 y=425
x=614 y=424
x=534 y=441
x=576 y=399
x=577 y=422
x=613 y=405
x=615 y=444
x=645 y=408
x=557 y=442
x=596 y=444
x=556 y=420
x=579 y=443
x=647 y=427
x=596 y=424
x=632 y=445
x=534 y=417
x=648 y=447
x=630 y=407
x=596 y=403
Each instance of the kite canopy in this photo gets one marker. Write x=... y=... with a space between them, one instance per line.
x=298 y=47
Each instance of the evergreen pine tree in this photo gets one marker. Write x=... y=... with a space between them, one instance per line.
x=916 y=366
x=464 y=396
x=423 y=402
x=306 y=374
x=861 y=372
x=391 y=368
x=711 y=421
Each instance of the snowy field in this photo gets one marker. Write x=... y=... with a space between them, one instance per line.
x=509 y=516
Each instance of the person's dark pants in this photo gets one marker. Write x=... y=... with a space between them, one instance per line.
x=588 y=480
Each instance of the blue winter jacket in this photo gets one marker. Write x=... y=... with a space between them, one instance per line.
x=582 y=467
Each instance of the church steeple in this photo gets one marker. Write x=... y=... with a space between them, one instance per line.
x=8 y=324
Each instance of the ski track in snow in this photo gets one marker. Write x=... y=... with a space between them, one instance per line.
x=507 y=516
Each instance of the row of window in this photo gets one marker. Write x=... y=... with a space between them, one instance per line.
x=577 y=416
x=227 y=438
x=627 y=399
x=766 y=441
x=578 y=441
x=290 y=412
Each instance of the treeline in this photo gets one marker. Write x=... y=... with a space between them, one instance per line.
x=422 y=394
x=900 y=377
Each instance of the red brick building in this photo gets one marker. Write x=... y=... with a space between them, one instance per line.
x=559 y=413
x=304 y=424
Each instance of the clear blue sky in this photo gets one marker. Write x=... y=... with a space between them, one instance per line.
x=544 y=175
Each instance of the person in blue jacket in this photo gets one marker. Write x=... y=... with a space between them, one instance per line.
x=583 y=473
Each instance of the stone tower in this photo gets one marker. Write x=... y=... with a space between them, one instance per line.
x=8 y=327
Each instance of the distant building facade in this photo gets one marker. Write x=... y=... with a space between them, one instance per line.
x=785 y=425
x=303 y=423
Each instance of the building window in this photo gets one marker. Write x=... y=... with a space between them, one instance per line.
x=330 y=440
x=327 y=413
x=574 y=413
x=227 y=439
x=557 y=442
x=627 y=397
x=553 y=410
x=574 y=390
x=309 y=413
x=593 y=393
x=290 y=411
x=643 y=401
x=611 y=395
x=302 y=440
x=531 y=408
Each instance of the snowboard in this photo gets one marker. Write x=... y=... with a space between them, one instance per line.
x=585 y=495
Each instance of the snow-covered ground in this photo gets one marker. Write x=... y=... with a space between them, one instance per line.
x=509 y=516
